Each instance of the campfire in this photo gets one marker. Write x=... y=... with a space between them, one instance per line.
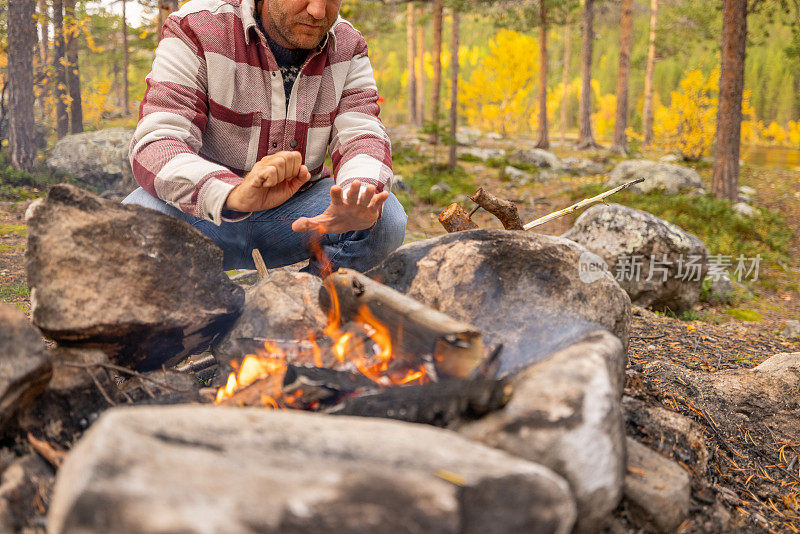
x=376 y=343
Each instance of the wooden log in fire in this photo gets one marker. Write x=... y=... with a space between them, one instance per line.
x=504 y=210
x=416 y=330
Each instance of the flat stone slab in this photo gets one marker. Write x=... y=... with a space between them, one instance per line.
x=208 y=469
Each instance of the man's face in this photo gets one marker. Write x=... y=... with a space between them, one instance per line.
x=299 y=23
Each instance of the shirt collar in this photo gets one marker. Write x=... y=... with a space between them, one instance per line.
x=249 y=21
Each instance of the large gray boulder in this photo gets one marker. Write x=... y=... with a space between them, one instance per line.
x=565 y=414
x=535 y=157
x=144 y=287
x=25 y=366
x=669 y=178
x=522 y=289
x=656 y=262
x=231 y=470
x=99 y=159
x=284 y=306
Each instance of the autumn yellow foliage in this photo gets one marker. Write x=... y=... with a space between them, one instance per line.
x=688 y=125
x=501 y=92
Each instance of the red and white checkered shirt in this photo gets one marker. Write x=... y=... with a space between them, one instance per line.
x=215 y=105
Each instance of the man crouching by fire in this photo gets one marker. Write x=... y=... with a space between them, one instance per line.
x=242 y=104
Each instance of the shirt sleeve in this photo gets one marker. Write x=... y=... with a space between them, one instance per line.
x=360 y=146
x=172 y=118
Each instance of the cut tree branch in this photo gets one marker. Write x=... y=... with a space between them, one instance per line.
x=582 y=204
x=504 y=210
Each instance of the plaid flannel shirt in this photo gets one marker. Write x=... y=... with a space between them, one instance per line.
x=215 y=105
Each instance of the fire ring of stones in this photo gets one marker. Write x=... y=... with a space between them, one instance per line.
x=491 y=335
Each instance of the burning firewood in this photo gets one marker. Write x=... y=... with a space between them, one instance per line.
x=415 y=329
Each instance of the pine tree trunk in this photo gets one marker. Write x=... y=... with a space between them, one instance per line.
x=165 y=8
x=565 y=83
x=620 y=145
x=60 y=93
x=544 y=139
x=438 y=14
x=73 y=73
x=411 y=63
x=125 y=62
x=454 y=66
x=420 y=70
x=21 y=42
x=647 y=111
x=586 y=138
x=725 y=180
x=44 y=31
x=40 y=69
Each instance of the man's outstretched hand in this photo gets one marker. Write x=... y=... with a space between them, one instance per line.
x=353 y=212
x=271 y=182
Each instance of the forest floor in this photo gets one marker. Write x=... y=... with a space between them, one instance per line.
x=711 y=338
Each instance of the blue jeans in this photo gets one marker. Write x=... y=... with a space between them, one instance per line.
x=270 y=231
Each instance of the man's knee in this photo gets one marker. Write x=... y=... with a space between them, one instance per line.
x=391 y=227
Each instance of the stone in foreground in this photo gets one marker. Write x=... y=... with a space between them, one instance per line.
x=25 y=367
x=657 y=263
x=232 y=470
x=522 y=289
x=666 y=177
x=657 y=487
x=565 y=414
x=144 y=287
x=99 y=159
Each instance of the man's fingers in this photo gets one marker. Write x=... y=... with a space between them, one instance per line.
x=353 y=192
x=270 y=177
x=293 y=163
x=366 y=196
x=378 y=200
x=337 y=198
x=304 y=224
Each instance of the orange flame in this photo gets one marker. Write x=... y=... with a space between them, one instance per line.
x=346 y=347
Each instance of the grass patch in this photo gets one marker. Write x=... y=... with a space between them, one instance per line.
x=403 y=154
x=744 y=315
x=713 y=221
x=13 y=229
x=423 y=179
x=469 y=158
x=16 y=185
x=11 y=248
x=11 y=292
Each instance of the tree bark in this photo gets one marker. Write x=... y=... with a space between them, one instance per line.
x=647 y=112
x=420 y=70
x=454 y=43
x=60 y=93
x=565 y=83
x=544 y=139
x=125 y=61
x=411 y=61
x=725 y=180
x=44 y=32
x=620 y=144
x=72 y=69
x=438 y=14
x=21 y=42
x=165 y=8
x=585 y=137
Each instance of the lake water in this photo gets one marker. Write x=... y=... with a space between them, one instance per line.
x=773 y=157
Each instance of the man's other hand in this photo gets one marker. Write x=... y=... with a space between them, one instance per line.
x=345 y=214
x=270 y=183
